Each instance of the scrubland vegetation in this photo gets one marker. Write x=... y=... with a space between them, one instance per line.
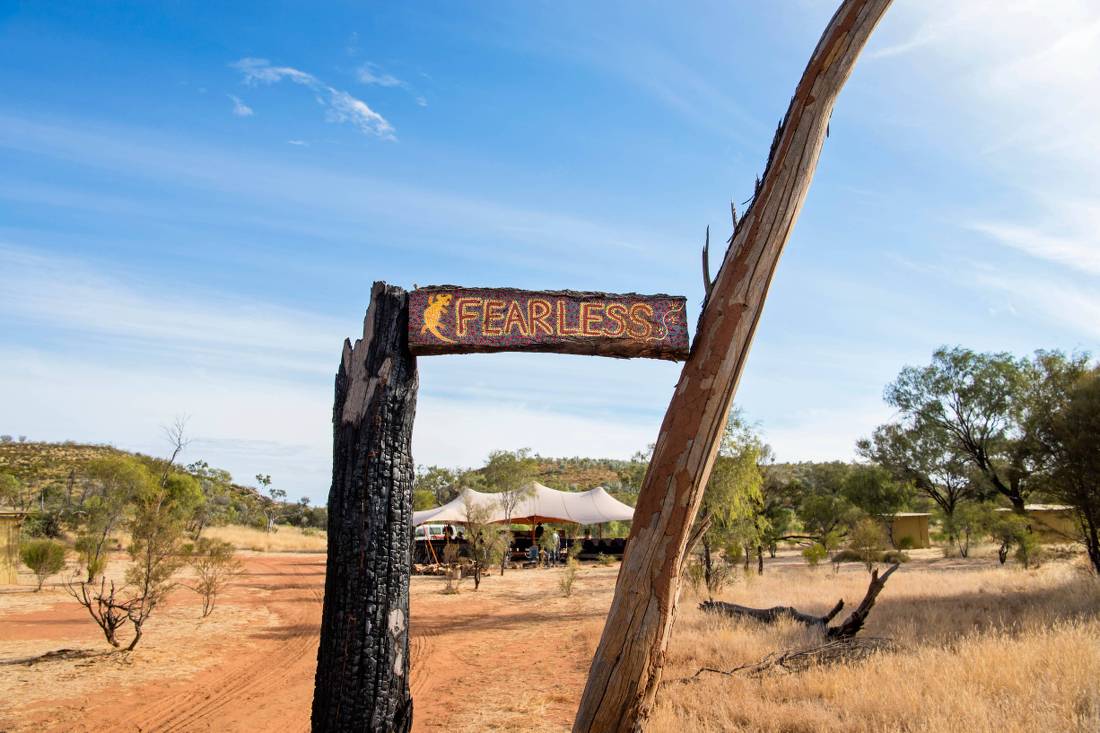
x=89 y=501
x=978 y=648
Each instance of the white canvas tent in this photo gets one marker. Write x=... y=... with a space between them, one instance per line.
x=543 y=505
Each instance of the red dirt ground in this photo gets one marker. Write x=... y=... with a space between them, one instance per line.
x=512 y=656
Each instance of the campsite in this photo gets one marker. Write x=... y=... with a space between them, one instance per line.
x=512 y=366
x=968 y=626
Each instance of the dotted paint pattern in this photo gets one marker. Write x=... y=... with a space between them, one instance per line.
x=447 y=319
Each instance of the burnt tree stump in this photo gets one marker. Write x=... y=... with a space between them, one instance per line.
x=363 y=659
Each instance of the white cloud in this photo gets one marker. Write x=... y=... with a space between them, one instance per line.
x=524 y=236
x=1016 y=81
x=1051 y=299
x=1079 y=250
x=118 y=359
x=240 y=109
x=341 y=106
x=371 y=74
x=206 y=330
x=299 y=143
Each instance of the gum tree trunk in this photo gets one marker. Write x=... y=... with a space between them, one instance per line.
x=363 y=658
x=626 y=671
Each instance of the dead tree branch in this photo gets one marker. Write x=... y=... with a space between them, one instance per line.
x=773 y=614
x=847 y=630
x=836 y=651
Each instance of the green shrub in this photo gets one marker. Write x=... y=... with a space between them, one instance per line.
x=894 y=556
x=605 y=560
x=867 y=540
x=847 y=555
x=905 y=543
x=92 y=557
x=1028 y=551
x=43 y=557
x=815 y=553
x=568 y=578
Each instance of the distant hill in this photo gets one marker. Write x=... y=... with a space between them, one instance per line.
x=586 y=473
x=54 y=465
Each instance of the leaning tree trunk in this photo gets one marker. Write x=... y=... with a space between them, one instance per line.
x=363 y=658
x=622 y=682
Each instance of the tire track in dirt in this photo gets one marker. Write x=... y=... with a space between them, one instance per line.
x=199 y=709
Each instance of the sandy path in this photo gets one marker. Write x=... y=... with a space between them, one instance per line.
x=510 y=657
x=265 y=684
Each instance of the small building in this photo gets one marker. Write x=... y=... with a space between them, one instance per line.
x=1054 y=523
x=911 y=526
x=9 y=546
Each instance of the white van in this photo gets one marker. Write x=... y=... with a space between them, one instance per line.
x=427 y=532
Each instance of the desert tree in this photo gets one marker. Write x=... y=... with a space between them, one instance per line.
x=925 y=456
x=731 y=512
x=215 y=484
x=980 y=405
x=272 y=507
x=15 y=493
x=157 y=532
x=115 y=482
x=872 y=489
x=43 y=557
x=215 y=565
x=823 y=506
x=439 y=483
x=510 y=475
x=160 y=509
x=486 y=542
x=1066 y=429
x=866 y=541
x=968 y=523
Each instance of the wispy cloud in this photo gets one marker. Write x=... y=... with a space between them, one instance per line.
x=240 y=109
x=1050 y=299
x=200 y=330
x=370 y=73
x=341 y=201
x=1079 y=252
x=340 y=106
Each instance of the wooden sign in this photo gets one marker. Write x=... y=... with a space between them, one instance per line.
x=447 y=319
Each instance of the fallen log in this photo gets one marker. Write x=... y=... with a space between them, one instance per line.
x=847 y=630
x=773 y=614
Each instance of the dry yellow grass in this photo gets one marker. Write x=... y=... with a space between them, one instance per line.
x=983 y=649
x=286 y=539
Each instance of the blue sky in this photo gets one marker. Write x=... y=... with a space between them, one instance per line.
x=195 y=198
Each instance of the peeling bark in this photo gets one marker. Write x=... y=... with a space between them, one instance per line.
x=363 y=658
x=626 y=670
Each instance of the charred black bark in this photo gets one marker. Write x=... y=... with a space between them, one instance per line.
x=363 y=658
